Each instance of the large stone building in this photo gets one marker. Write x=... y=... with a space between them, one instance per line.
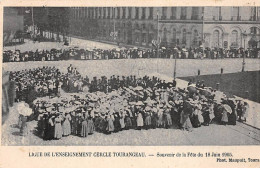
x=184 y=26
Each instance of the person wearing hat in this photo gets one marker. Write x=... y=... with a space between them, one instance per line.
x=110 y=123
x=196 y=118
x=128 y=121
x=117 y=122
x=232 y=117
x=240 y=110
x=44 y=125
x=57 y=127
x=154 y=117
x=245 y=111
x=133 y=111
x=84 y=125
x=160 y=123
x=79 y=120
x=91 y=126
x=122 y=119
x=224 y=118
x=66 y=127
x=185 y=116
x=139 y=119
x=147 y=117
x=24 y=127
x=49 y=134
x=207 y=110
x=74 y=124
x=167 y=118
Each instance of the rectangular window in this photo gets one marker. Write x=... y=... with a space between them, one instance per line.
x=235 y=14
x=96 y=11
x=150 y=12
x=118 y=12
x=89 y=12
x=183 y=13
x=93 y=13
x=100 y=12
x=137 y=37
x=164 y=10
x=129 y=12
x=104 y=13
x=258 y=13
x=74 y=13
x=195 y=13
x=144 y=38
x=109 y=11
x=143 y=13
x=114 y=13
x=123 y=16
x=253 y=14
x=150 y=38
x=173 y=11
x=217 y=13
x=136 y=12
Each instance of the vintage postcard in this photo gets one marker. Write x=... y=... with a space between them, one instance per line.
x=130 y=84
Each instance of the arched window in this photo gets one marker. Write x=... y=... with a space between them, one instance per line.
x=144 y=37
x=136 y=26
x=165 y=35
x=234 y=38
x=184 y=36
x=124 y=35
x=195 y=37
x=118 y=36
x=216 y=38
x=137 y=35
x=254 y=37
x=104 y=32
x=174 y=35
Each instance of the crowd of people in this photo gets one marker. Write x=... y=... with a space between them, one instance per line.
x=127 y=53
x=120 y=103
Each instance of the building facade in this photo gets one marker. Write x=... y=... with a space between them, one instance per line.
x=222 y=27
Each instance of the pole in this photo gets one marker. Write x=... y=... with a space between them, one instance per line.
x=202 y=36
x=114 y=22
x=114 y=16
x=243 y=63
x=174 y=73
x=157 y=40
x=33 y=22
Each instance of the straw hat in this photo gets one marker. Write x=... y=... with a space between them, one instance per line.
x=139 y=103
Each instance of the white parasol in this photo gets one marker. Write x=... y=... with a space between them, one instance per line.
x=139 y=103
x=227 y=108
x=138 y=88
x=23 y=109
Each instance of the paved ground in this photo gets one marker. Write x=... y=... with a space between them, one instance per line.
x=81 y=43
x=185 y=67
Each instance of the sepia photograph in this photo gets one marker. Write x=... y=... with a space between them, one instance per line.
x=131 y=76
